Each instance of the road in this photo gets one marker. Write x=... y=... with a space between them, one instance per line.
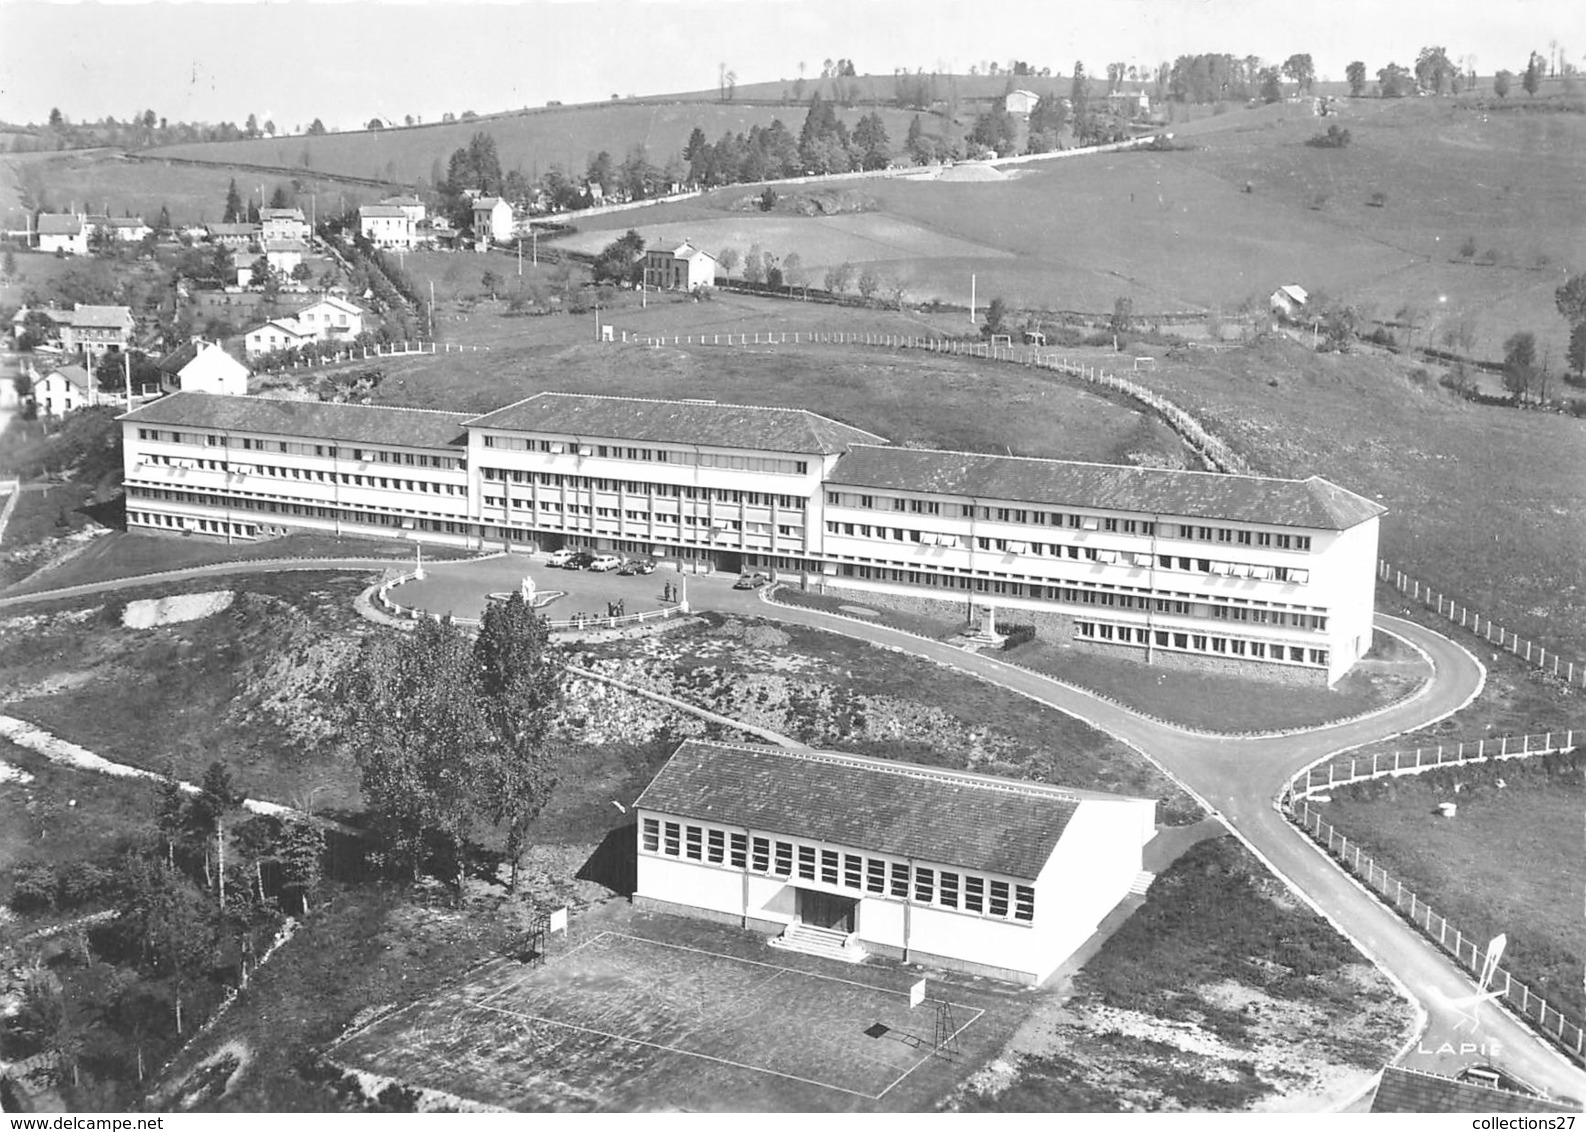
x=1235 y=777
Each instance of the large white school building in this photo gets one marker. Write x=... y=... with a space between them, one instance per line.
x=869 y=856
x=1251 y=574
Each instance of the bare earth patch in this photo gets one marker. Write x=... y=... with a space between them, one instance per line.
x=154 y=612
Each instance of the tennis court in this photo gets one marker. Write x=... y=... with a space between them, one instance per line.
x=621 y=1022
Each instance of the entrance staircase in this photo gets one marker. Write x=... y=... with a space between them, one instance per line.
x=1142 y=882
x=823 y=942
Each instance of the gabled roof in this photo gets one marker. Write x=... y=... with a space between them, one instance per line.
x=333 y=301
x=59 y=224
x=1402 y=1089
x=282 y=214
x=318 y=420
x=677 y=422
x=407 y=201
x=390 y=211
x=242 y=229
x=686 y=250
x=1294 y=292
x=287 y=325
x=121 y=221
x=75 y=376
x=1312 y=503
x=112 y=318
x=183 y=356
x=949 y=817
x=285 y=246
x=487 y=203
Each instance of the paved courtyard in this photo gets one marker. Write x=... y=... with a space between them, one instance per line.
x=462 y=589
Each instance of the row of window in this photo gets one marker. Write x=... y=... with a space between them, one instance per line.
x=942 y=888
x=301 y=448
x=309 y=475
x=649 y=455
x=637 y=487
x=187 y=523
x=406 y=519
x=1027 y=516
x=1199 y=642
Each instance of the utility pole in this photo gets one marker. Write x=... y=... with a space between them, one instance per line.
x=971 y=297
x=126 y=358
x=520 y=257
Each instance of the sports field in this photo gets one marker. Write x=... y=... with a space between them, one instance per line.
x=619 y=1022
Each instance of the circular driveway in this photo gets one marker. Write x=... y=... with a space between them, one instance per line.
x=462 y=589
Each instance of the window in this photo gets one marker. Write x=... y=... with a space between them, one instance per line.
x=924 y=885
x=716 y=847
x=1023 y=902
x=739 y=850
x=652 y=835
x=693 y=840
x=828 y=866
x=784 y=859
x=761 y=861
x=999 y=898
x=852 y=867
x=949 y=890
x=974 y=894
x=900 y=880
x=807 y=862
x=876 y=876
x=673 y=833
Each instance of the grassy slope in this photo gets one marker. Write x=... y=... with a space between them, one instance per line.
x=1509 y=862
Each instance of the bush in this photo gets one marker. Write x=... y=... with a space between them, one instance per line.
x=1334 y=138
x=33 y=887
x=1017 y=635
x=83 y=882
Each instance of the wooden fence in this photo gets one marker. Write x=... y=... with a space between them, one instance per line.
x=1346 y=770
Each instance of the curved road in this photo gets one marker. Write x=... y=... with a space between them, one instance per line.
x=1235 y=777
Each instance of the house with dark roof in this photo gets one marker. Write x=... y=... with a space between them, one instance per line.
x=64 y=390
x=96 y=330
x=202 y=367
x=386 y=225
x=62 y=232
x=236 y=236
x=847 y=856
x=680 y=268
x=1402 y=1089
x=283 y=224
x=492 y=222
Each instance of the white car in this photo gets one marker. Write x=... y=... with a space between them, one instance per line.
x=604 y=562
x=559 y=558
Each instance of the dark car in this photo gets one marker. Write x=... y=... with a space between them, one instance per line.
x=580 y=560
x=750 y=582
x=636 y=566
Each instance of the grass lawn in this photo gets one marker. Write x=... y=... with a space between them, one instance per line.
x=1509 y=862
x=853 y=604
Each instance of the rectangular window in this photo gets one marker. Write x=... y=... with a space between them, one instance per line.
x=876 y=876
x=693 y=841
x=949 y=890
x=807 y=862
x=784 y=859
x=652 y=835
x=673 y=834
x=999 y=898
x=761 y=861
x=716 y=846
x=828 y=866
x=852 y=868
x=974 y=894
x=924 y=885
x=1023 y=902
x=900 y=881
x=739 y=850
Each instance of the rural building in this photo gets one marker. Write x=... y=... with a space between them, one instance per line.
x=96 y=330
x=1129 y=104
x=682 y=268
x=54 y=320
x=62 y=232
x=285 y=255
x=848 y=856
x=64 y=390
x=238 y=237
x=1020 y=102
x=202 y=367
x=332 y=319
x=277 y=334
x=1401 y=1089
x=492 y=222
x=283 y=224
x=1244 y=574
x=123 y=229
x=412 y=206
x=386 y=225
x=1287 y=302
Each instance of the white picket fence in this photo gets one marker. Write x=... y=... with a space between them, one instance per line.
x=1345 y=770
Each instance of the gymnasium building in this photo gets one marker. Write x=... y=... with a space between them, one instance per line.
x=1250 y=574
x=845 y=856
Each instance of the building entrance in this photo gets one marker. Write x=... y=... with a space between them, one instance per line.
x=825 y=910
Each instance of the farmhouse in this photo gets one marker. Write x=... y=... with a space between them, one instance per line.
x=682 y=268
x=492 y=221
x=1020 y=102
x=1247 y=574
x=62 y=232
x=96 y=330
x=386 y=225
x=283 y=224
x=64 y=390
x=202 y=367
x=843 y=855
x=277 y=334
x=411 y=206
x=331 y=319
x=1287 y=302
x=123 y=229
x=234 y=236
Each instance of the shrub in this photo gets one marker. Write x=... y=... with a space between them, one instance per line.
x=1334 y=138
x=1017 y=635
x=83 y=882
x=33 y=887
x=1378 y=199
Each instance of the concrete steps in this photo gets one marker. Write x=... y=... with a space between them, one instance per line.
x=822 y=942
x=1142 y=882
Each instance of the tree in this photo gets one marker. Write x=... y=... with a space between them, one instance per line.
x=1577 y=350
x=56 y=118
x=996 y=318
x=301 y=849
x=838 y=277
x=1079 y=94
x=163 y=224
x=234 y=208
x=870 y=135
x=251 y=128
x=1500 y=83
x=1535 y=68
x=1356 y=74
x=793 y=270
x=1571 y=300
x=207 y=813
x=1271 y=85
x=622 y=260
x=754 y=265
x=1301 y=70
x=868 y=284
x=280 y=198
x=1392 y=81
x=316 y=128
x=1433 y=69
x=727 y=259
x=8 y=265
x=110 y=374
x=1519 y=363
x=520 y=680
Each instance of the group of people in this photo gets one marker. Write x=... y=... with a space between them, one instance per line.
x=614 y=608
x=669 y=591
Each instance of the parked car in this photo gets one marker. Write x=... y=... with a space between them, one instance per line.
x=636 y=566
x=559 y=558
x=750 y=582
x=580 y=560
x=604 y=562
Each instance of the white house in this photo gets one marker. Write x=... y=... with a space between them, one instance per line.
x=235 y=236
x=203 y=367
x=492 y=222
x=1287 y=302
x=682 y=268
x=283 y=224
x=331 y=318
x=386 y=225
x=277 y=334
x=62 y=232
x=412 y=206
x=1020 y=101
x=63 y=390
x=847 y=856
